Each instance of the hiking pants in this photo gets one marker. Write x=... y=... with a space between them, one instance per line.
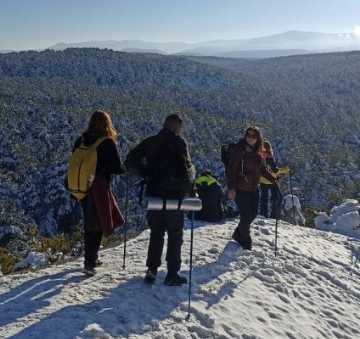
x=92 y=232
x=160 y=222
x=247 y=203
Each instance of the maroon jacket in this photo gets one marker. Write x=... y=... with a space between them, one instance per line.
x=245 y=169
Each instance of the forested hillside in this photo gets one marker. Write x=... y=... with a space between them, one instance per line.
x=308 y=106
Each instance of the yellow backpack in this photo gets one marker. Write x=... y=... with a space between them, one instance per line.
x=82 y=169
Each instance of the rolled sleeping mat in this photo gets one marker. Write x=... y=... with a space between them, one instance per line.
x=186 y=204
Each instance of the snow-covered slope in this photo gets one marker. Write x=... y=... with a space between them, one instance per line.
x=343 y=219
x=311 y=290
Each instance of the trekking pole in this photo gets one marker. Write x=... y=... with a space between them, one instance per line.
x=278 y=206
x=191 y=256
x=292 y=195
x=126 y=217
x=276 y=235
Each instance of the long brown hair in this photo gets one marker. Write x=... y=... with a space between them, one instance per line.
x=101 y=125
x=268 y=148
x=259 y=141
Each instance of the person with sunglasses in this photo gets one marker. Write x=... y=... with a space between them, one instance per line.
x=245 y=168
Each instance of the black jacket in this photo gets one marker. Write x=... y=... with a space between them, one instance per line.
x=164 y=161
x=108 y=159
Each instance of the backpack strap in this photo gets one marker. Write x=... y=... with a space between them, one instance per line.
x=180 y=201
x=141 y=191
x=98 y=142
x=94 y=145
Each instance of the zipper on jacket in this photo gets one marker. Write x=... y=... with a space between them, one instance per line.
x=242 y=170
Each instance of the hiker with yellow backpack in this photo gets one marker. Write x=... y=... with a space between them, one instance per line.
x=94 y=159
x=266 y=186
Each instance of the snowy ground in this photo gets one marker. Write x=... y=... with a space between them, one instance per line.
x=311 y=290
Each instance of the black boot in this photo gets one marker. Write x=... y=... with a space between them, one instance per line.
x=150 y=276
x=243 y=240
x=89 y=270
x=98 y=263
x=236 y=235
x=174 y=280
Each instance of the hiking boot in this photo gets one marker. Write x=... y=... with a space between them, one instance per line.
x=235 y=236
x=246 y=245
x=175 y=280
x=98 y=263
x=89 y=271
x=150 y=276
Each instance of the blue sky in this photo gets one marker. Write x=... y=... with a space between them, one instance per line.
x=26 y=24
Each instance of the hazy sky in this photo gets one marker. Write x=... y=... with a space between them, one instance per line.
x=35 y=24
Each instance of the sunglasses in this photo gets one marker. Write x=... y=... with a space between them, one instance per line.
x=252 y=136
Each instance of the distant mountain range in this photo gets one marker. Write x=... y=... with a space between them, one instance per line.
x=129 y=45
x=284 y=44
x=260 y=53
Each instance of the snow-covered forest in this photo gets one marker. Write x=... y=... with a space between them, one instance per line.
x=307 y=106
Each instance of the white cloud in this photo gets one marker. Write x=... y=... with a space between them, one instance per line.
x=356 y=32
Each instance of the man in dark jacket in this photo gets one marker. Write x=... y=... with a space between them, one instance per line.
x=212 y=196
x=164 y=161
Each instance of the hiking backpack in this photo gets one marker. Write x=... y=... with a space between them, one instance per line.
x=226 y=151
x=82 y=169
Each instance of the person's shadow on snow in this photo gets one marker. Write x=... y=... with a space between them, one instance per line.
x=133 y=307
x=32 y=295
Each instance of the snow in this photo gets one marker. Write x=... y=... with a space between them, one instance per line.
x=321 y=219
x=291 y=210
x=351 y=220
x=291 y=201
x=33 y=260
x=310 y=290
x=344 y=219
x=349 y=205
